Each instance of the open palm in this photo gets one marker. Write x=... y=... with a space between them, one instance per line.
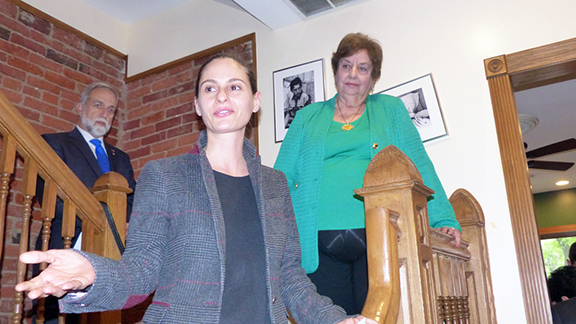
x=67 y=270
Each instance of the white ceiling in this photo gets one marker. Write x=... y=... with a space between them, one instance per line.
x=273 y=13
x=554 y=105
x=130 y=11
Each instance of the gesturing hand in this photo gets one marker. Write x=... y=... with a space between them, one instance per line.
x=67 y=270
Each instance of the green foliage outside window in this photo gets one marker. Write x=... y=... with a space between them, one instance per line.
x=555 y=252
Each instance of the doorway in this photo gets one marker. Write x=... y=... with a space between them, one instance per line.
x=506 y=74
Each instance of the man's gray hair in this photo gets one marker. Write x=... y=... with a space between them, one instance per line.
x=96 y=85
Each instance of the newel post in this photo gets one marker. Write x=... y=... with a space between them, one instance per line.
x=398 y=243
x=112 y=189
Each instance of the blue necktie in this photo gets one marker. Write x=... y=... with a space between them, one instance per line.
x=101 y=156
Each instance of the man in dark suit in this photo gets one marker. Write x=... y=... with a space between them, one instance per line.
x=84 y=151
x=562 y=289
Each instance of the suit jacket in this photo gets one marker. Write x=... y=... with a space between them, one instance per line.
x=76 y=153
x=176 y=247
x=564 y=312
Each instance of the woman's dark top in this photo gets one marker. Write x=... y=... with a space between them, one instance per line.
x=244 y=299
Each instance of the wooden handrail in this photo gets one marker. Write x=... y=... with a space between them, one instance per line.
x=31 y=146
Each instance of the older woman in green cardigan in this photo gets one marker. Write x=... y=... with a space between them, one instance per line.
x=324 y=156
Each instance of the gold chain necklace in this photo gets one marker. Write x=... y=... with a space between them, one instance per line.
x=346 y=127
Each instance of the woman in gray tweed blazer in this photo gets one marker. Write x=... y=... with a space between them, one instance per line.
x=212 y=232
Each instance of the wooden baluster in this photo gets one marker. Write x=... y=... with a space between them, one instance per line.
x=460 y=314
x=68 y=222
x=68 y=231
x=7 y=159
x=28 y=191
x=440 y=308
x=454 y=308
x=48 y=209
x=448 y=309
x=466 y=310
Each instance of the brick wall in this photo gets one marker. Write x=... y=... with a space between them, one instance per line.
x=44 y=66
x=161 y=120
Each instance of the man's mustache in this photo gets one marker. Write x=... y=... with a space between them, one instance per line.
x=101 y=119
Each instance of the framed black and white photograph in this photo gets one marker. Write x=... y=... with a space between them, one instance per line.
x=419 y=97
x=294 y=88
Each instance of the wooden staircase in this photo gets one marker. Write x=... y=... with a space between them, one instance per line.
x=19 y=141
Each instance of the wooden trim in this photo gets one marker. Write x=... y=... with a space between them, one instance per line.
x=68 y=28
x=505 y=74
x=542 y=65
x=557 y=231
x=198 y=55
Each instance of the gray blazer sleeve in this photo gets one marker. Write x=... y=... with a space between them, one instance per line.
x=125 y=283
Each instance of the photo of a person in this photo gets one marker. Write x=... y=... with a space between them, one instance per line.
x=294 y=88
x=296 y=99
x=416 y=106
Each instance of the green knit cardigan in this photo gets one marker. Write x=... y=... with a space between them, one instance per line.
x=302 y=153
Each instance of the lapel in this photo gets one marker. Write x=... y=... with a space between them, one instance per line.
x=112 y=157
x=215 y=207
x=79 y=142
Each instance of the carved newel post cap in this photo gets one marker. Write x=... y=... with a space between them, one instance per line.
x=111 y=180
x=389 y=166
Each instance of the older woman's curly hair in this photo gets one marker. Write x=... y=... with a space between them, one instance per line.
x=352 y=44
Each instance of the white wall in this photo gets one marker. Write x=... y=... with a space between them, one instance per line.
x=184 y=30
x=87 y=19
x=448 y=38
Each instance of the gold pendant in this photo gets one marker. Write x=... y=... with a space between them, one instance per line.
x=347 y=127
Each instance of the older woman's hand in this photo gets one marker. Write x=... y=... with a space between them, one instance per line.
x=68 y=270
x=452 y=231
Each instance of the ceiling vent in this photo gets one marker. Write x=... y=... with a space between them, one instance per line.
x=309 y=8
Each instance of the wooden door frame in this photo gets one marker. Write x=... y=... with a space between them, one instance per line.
x=506 y=74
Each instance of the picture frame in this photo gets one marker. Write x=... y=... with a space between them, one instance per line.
x=421 y=101
x=291 y=95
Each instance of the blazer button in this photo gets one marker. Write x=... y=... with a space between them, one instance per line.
x=273 y=299
x=296 y=185
x=375 y=145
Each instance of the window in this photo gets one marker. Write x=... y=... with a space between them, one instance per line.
x=555 y=252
